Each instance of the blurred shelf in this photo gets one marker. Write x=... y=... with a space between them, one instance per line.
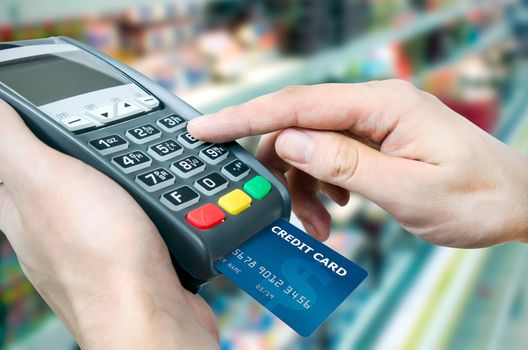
x=295 y=71
x=490 y=38
x=487 y=312
x=31 y=11
x=392 y=285
x=511 y=126
x=52 y=334
x=436 y=299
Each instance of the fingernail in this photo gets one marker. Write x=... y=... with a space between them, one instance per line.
x=310 y=229
x=202 y=120
x=295 y=146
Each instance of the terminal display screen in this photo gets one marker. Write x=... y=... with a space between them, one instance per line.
x=48 y=78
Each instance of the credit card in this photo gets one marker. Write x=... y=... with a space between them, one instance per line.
x=293 y=275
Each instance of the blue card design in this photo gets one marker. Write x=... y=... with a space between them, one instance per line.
x=296 y=277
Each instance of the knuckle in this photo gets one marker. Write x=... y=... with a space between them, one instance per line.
x=292 y=91
x=399 y=85
x=397 y=93
x=395 y=88
x=343 y=162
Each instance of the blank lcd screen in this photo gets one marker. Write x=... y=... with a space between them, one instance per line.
x=49 y=78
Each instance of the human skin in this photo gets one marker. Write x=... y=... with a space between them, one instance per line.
x=444 y=179
x=99 y=262
x=91 y=252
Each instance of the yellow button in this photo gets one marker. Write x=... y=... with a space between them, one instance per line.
x=235 y=202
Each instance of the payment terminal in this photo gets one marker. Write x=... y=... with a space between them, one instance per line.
x=205 y=199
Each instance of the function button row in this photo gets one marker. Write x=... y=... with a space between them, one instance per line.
x=172 y=123
x=132 y=161
x=236 y=170
x=209 y=215
x=110 y=113
x=155 y=180
x=165 y=150
x=211 y=184
x=188 y=167
x=180 y=198
x=109 y=144
x=214 y=154
x=237 y=201
x=189 y=141
x=143 y=134
x=116 y=111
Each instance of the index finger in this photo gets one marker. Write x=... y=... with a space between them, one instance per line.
x=367 y=109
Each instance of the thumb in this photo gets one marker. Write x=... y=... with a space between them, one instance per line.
x=342 y=161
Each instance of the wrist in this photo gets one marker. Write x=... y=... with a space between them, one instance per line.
x=516 y=201
x=110 y=317
x=128 y=314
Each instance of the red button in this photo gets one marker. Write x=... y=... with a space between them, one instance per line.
x=206 y=216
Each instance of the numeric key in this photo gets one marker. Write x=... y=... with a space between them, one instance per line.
x=165 y=150
x=131 y=162
x=172 y=123
x=180 y=198
x=155 y=180
x=236 y=170
x=109 y=144
x=189 y=141
x=214 y=154
x=188 y=167
x=143 y=134
x=211 y=184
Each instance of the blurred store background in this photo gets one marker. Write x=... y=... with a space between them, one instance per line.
x=214 y=53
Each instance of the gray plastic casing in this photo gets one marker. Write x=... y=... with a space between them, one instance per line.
x=192 y=249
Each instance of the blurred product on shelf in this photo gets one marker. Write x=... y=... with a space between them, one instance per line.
x=470 y=89
x=183 y=44
x=103 y=34
x=152 y=28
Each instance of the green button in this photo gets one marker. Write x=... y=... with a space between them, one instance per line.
x=258 y=187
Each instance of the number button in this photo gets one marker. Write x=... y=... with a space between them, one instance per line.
x=132 y=161
x=189 y=141
x=180 y=198
x=165 y=150
x=214 y=154
x=109 y=144
x=172 y=123
x=188 y=167
x=155 y=180
x=211 y=184
x=236 y=170
x=143 y=134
